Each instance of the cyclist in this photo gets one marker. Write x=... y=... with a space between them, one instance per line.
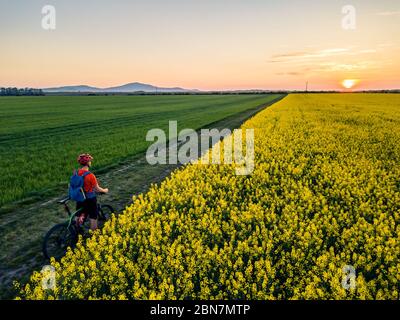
x=90 y=186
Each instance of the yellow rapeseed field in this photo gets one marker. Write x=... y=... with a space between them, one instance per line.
x=325 y=194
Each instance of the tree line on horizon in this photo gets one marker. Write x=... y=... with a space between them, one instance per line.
x=21 y=92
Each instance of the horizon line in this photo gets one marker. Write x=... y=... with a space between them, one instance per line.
x=200 y=90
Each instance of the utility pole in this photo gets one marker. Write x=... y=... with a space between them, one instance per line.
x=307 y=86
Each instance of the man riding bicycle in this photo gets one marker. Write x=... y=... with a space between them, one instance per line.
x=90 y=187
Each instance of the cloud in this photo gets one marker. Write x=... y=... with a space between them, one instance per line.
x=347 y=67
x=319 y=54
x=289 y=73
x=334 y=51
x=389 y=13
x=386 y=45
x=290 y=55
x=331 y=66
x=368 y=51
x=298 y=56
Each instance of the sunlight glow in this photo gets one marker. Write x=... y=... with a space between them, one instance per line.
x=349 y=83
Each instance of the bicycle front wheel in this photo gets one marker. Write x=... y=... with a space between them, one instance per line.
x=58 y=239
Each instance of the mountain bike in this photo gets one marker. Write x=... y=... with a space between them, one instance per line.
x=66 y=234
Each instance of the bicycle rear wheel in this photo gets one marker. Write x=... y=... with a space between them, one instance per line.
x=58 y=239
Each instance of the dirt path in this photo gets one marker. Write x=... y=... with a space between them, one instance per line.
x=22 y=229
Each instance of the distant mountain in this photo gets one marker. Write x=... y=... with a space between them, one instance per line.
x=81 y=88
x=130 y=87
x=137 y=86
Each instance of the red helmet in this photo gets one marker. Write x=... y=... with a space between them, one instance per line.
x=85 y=158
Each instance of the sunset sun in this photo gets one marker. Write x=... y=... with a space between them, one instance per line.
x=349 y=83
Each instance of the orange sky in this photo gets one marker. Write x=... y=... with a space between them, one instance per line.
x=219 y=44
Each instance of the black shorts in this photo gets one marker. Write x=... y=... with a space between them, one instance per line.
x=89 y=207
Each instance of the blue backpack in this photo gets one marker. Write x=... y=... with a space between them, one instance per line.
x=76 y=191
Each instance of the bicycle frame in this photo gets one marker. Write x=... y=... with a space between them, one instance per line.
x=75 y=228
x=71 y=216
